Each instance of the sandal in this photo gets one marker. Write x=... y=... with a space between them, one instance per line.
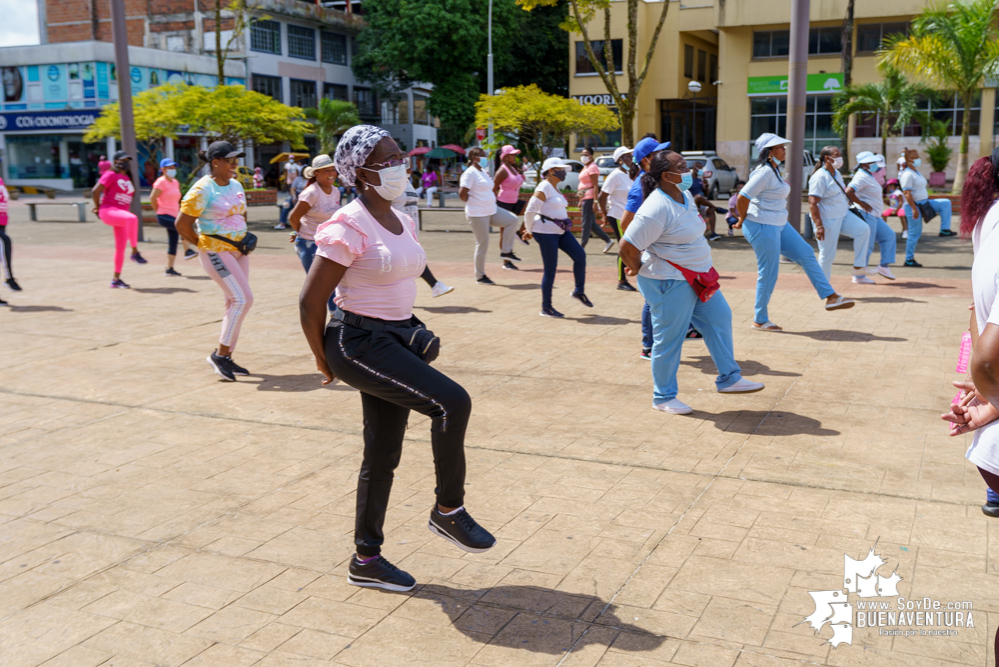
x=839 y=303
x=768 y=326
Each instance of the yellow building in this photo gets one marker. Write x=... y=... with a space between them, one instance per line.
x=737 y=50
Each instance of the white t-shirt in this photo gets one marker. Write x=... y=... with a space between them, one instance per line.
x=553 y=207
x=664 y=229
x=767 y=194
x=616 y=185
x=833 y=203
x=984 y=450
x=868 y=190
x=910 y=179
x=481 y=200
x=322 y=206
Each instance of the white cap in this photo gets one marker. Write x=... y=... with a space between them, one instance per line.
x=620 y=151
x=880 y=160
x=552 y=163
x=769 y=140
x=866 y=157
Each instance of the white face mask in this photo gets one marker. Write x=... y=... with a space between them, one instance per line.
x=393 y=182
x=585 y=159
x=837 y=163
x=172 y=173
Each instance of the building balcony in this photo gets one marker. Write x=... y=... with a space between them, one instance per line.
x=309 y=11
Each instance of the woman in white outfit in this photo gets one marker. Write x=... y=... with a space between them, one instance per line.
x=866 y=188
x=830 y=209
x=482 y=213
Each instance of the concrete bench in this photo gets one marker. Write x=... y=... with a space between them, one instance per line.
x=435 y=209
x=81 y=209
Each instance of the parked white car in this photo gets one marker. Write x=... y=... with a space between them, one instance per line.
x=571 y=182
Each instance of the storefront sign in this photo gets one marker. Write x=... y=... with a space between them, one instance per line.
x=817 y=84
x=605 y=99
x=59 y=120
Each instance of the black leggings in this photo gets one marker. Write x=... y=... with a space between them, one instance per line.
x=620 y=263
x=428 y=277
x=167 y=221
x=6 y=247
x=392 y=381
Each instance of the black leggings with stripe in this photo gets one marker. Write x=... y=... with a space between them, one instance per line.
x=6 y=247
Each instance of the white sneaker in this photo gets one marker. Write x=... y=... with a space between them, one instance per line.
x=905 y=234
x=674 y=406
x=886 y=272
x=863 y=280
x=743 y=386
x=440 y=289
x=610 y=244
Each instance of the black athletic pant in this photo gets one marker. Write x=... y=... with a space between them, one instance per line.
x=6 y=247
x=428 y=277
x=613 y=222
x=392 y=381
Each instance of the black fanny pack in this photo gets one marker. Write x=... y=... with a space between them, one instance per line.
x=245 y=245
x=416 y=337
x=564 y=223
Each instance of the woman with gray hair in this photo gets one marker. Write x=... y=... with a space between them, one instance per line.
x=369 y=254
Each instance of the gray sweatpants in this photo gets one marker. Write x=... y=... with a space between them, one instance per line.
x=503 y=219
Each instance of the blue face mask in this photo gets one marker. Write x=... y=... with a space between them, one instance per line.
x=686 y=180
x=917 y=162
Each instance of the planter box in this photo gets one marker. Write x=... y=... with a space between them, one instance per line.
x=261 y=197
x=572 y=200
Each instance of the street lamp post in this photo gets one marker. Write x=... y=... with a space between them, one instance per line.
x=694 y=87
x=489 y=72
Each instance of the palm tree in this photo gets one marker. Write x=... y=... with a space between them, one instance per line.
x=894 y=100
x=953 y=47
x=332 y=119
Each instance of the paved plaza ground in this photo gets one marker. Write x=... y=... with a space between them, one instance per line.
x=151 y=515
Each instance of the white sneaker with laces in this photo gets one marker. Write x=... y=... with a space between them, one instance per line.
x=863 y=280
x=905 y=234
x=886 y=272
x=674 y=406
x=610 y=244
x=743 y=386
x=440 y=289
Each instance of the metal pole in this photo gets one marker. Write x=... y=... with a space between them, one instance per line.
x=797 y=82
x=120 y=35
x=489 y=77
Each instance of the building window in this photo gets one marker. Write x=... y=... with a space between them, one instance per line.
x=948 y=108
x=265 y=36
x=364 y=100
x=420 y=114
x=702 y=66
x=395 y=110
x=871 y=36
x=689 y=125
x=303 y=94
x=583 y=64
x=301 y=42
x=268 y=85
x=712 y=68
x=777 y=43
x=769 y=114
x=334 y=48
x=608 y=141
x=335 y=91
x=688 y=61
x=825 y=41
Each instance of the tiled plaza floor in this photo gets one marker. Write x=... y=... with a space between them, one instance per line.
x=150 y=515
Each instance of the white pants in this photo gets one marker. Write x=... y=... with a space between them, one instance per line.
x=429 y=193
x=851 y=226
x=503 y=219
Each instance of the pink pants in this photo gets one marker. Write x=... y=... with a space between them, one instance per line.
x=231 y=270
x=126 y=228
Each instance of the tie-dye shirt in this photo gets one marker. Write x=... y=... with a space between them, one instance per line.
x=219 y=210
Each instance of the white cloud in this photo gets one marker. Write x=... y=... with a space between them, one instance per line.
x=20 y=23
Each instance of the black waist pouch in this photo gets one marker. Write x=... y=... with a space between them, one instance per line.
x=415 y=337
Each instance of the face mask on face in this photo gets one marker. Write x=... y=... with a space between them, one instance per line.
x=917 y=162
x=585 y=159
x=686 y=180
x=837 y=163
x=172 y=173
x=559 y=174
x=393 y=183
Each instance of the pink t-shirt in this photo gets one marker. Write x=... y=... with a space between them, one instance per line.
x=382 y=268
x=4 y=198
x=322 y=206
x=118 y=190
x=509 y=188
x=588 y=179
x=168 y=202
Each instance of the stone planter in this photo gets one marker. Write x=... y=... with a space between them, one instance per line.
x=572 y=201
x=266 y=197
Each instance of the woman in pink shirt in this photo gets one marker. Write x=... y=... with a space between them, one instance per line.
x=5 y=245
x=369 y=254
x=588 y=188
x=165 y=200
x=112 y=198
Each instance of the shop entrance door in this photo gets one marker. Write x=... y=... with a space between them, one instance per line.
x=689 y=124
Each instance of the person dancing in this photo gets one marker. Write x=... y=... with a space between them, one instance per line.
x=165 y=200
x=370 y=256
x=317 y=203
x=112 y=198
x=476 y=190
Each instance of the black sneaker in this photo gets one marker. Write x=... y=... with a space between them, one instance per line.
x=947 y=232
x=647 y=353
x=714 y=237
x=510 y=266
x=580 y=297
x=138 y=258
x=693 y=334
x=3 y=303
x=190 y=254
x=912 y=262
x=461 y=529
x=510 y=256
x=625 y=286
x=222 y=366
x=171 y=272
x=520 y=237
x=379 y=573
x=484 y=280
x=236 y=368
x=991 y=509
x=550 y=312
x=12 y=284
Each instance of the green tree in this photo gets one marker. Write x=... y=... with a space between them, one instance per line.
x=953 y=47
x=581 y=13
x=332 y=119
x=538 y=52
x=542 y=122
x=239 y=19
x=158 y=115
x=894 y=100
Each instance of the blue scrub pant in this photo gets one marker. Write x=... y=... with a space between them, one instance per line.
x=943 y=209
x=673 y=305
x=883 y=235
x=991 y=496
x=769 y=243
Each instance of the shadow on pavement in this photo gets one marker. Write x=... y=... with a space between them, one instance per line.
x=198 y=277
x=293 y=383
x=452 y=310
x=751 y=421
x=602 y=319
x=914 y=285
x=162 y=290
x=538 y=620
x=848 y=336
x=886 y=299
x=521 y=286
x=40 y=309
x=706 y=366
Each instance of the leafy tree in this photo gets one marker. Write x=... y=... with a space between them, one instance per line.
x=241 y=20
x=581 y=13
x=158 y=114
x=542 y=122
x=954 y=47
x=332 y=119
x=538 y=51
x=894 y=100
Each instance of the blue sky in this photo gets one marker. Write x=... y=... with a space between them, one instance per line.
x=20 y=22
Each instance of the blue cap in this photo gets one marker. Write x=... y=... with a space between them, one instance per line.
x=167 y=162
x=646 y=147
